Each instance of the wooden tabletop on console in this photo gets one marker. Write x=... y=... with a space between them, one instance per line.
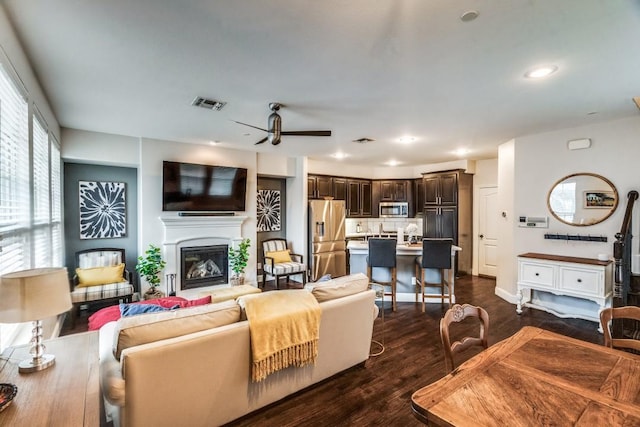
x=563 y=258
x=536 y=377
x=65 y=394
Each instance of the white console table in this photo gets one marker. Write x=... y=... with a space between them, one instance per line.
x=585 y=278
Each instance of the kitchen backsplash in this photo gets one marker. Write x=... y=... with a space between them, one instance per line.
x=388 y=225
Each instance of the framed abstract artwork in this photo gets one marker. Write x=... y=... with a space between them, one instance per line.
x=268 y=210
x=103 y=208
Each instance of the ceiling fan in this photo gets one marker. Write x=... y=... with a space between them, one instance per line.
x=275 y=131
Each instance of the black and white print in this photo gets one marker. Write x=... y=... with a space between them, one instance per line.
x=268 y=210
x=102 y=210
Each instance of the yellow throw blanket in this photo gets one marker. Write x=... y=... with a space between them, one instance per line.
x=284 y=327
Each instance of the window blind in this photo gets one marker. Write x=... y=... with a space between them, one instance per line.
x=14 y=176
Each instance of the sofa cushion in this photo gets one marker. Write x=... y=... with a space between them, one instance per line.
x=146 y=328
x=100 y=275
x=339 y=287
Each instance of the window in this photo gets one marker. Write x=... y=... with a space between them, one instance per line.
x=30 y=189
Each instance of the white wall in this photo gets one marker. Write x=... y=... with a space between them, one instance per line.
x=153 y=152
x=344 y=168
x=538 y=161
x=100 y=148
x=505 y=282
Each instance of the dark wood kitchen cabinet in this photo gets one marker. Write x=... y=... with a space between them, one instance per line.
x=359 y=198
x=394 y=190
x=339 y=188
x=319 y=186
x=441 y=188
x=447 y=211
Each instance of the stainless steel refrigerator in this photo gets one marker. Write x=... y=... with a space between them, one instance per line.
x=327 y=246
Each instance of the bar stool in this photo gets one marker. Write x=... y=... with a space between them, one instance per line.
x=382 y=254
x=436 y=254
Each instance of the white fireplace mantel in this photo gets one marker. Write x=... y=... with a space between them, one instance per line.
x=185 y=231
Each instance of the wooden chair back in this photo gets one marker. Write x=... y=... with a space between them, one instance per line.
x=456 y=314
x=628 y=312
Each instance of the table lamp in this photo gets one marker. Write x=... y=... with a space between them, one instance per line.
x=33 y=295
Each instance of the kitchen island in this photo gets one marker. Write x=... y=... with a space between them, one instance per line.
x=405 y=259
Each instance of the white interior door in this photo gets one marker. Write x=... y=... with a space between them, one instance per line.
x=488 y=231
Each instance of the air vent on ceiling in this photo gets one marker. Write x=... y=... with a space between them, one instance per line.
x=363 y=140
x=210 y=104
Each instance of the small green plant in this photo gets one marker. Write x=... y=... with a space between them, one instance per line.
x=238 y=257
x=150 y=266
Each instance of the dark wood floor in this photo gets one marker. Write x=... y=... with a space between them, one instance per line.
x=379 y=393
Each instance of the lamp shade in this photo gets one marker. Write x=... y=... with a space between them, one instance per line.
x=34 y=294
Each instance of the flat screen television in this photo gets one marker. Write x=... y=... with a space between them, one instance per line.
x=191 y=187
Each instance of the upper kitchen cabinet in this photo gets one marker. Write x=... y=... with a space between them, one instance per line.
x=359 y=202
x=394 y=190
x=339 y=188
x=319 y=186
x=441 y=188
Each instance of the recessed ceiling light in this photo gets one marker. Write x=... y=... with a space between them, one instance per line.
x=339 y=155
x=541 y=72
x=461 y=152
x=469 y=15
x=406 y=139
x=392 y=163
x=216 y=142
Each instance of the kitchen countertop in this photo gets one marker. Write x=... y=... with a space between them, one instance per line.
x=364 y=234
x=356 y=247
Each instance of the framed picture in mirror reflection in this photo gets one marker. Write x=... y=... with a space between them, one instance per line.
x=597 y=199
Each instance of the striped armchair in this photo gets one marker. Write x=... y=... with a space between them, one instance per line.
x=101 y=276
x=279 y=262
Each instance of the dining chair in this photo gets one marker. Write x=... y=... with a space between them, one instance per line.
x=631 y=313
x=457 y=314
x=382 y=254
x=436 y=254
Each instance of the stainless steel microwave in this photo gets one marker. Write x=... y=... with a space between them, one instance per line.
x=393 y=210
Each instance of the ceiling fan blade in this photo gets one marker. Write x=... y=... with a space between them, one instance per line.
x=251 y=126
x=307 y=132
x=262 y=140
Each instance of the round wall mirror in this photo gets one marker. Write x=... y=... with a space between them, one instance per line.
x=582 y=199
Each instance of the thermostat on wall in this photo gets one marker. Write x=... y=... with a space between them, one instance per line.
x=533 y=221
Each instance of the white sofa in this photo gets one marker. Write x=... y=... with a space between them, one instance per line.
x=204 y=379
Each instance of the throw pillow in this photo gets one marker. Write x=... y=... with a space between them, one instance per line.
x=279 y=256
x=196 y=302
x=324 y=278
x=100 y=275
x=137 y=330
x=340 y=287
x=135 y=309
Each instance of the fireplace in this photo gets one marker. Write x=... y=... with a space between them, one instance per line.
x=204 y=266
x=197 y=232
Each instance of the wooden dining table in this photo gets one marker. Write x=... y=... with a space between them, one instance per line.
x=536 y=378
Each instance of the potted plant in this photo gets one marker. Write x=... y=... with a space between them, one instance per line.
x=149 y=267
x=238 y=261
